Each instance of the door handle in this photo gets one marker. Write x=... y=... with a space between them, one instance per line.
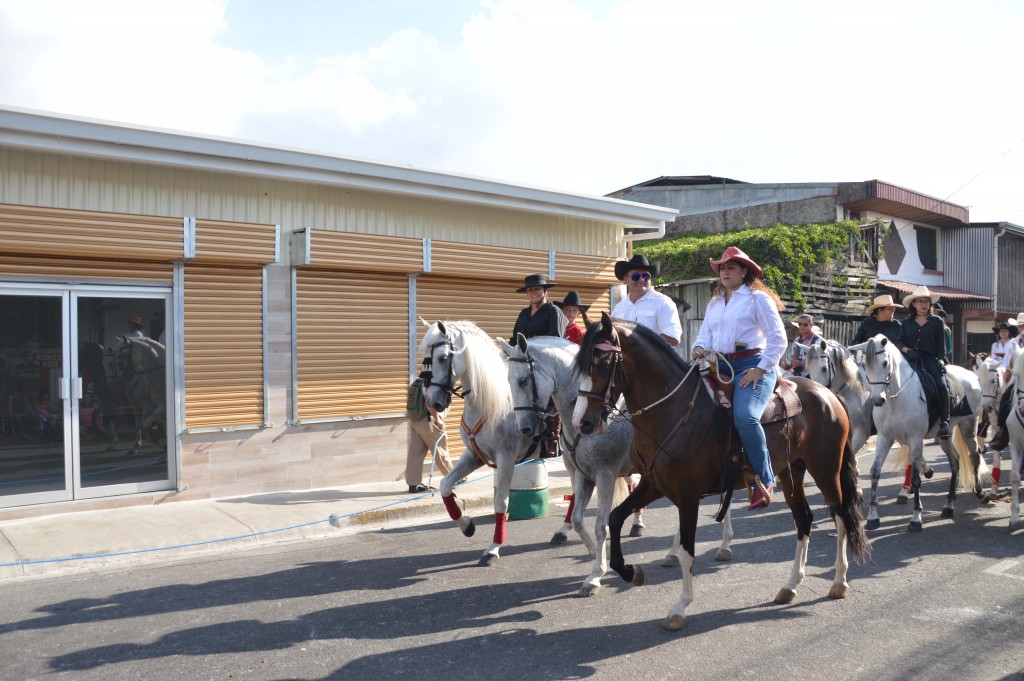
x=71 y=388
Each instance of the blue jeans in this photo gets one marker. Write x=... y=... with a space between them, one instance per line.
x=747 y=406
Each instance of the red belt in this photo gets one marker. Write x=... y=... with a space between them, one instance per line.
x=742 y=353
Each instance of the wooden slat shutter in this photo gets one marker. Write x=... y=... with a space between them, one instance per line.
x=352 y=334
x=499 y=262
x=223 y=333
x=367 y=252
x=235 y=243
x=32 y=230
x=63 y=269
x=493 y=306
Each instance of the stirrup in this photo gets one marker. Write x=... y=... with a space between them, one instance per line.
x=943 y=430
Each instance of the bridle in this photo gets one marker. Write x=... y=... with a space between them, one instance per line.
x=537 y=408
x=607 y=400
x=888 y=379
x=427 y=373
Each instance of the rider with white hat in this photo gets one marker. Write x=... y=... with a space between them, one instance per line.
x=879 y=321
x=1001 y=439
x=924 y=343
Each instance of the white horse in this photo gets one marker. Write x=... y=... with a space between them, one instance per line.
x=1015 y=429
x=541 y=369
x=461 y=352
x=993 y=384
x=141 y=366
x=835 y=367
x=901 y=415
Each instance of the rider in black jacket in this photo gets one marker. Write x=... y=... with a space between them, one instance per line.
x=880 y=321
x=924 y=343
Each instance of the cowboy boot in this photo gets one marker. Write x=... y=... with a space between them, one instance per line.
x=943 y=413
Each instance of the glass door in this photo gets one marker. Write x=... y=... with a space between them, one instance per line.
x=85 y=389
x=34 y=447
x=122 y=378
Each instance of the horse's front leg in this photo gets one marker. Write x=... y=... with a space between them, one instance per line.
x=676 y=618
x=954 y=475
x=917 y=518
x=643 y=495
x=725 y=548
x=882 y=445
x=793 y=490
x=561 y=535
x=502 y=485
x=466 y=464
x=1015 y=474
x=605 y=490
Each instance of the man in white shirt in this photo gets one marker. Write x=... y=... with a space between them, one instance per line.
x=643 y=304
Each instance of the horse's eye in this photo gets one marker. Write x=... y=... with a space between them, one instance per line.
x=522 y=382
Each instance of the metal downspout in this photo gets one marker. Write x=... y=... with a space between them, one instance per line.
x=628 y=239
x=995 y=274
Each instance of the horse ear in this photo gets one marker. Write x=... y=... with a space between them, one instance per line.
x=859 y=347
x=606 y=322
x=824 y=346
x=505 y=347
x=441 y=328
x=521 y=342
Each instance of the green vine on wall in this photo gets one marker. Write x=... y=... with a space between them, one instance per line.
x=784 y=252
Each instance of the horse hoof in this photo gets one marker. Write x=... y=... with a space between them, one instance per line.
x=488 y=560
x=838 y=591
x=638 y=577
x=947 y=513
x=559 y=538
x=785 y=596
x=470 y=529
x=673 y=623
x=670 y=561
x=636 y=531
x=901 y=500
x=588 y=590
x=723 y=554
x=1016 y=525
x=929 y=473
x=873 y=524
x=915 y=526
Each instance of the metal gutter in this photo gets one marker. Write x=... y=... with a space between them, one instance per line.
x=41 y=131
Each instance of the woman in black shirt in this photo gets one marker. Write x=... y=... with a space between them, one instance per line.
x=924 y=343
x=880 y=321
x=540 y=318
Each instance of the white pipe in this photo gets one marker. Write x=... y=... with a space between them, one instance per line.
x=628 y=239
x=995 y=275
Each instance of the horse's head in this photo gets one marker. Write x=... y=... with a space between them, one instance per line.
x=531 y=387
x=820 y=366
x=439 y=366
x=991 y=380
x=881 y=360
x=599 y=365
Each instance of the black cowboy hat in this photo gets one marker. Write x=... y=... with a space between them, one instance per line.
x=1012 y=328
x=572 y=299
x=637 y=262
x=536 y=280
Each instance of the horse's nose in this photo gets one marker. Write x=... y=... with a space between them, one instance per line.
x=585 y=426
x=879 y=401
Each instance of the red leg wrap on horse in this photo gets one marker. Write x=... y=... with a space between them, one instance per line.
x=572 y=505
x=996 y=473
x=907 y=476
x=500 y=519
x=452 y=504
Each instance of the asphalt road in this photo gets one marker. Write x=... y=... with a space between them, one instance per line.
x=411 y=603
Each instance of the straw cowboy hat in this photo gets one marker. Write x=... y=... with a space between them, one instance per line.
x=536 y=280
x=882 y=301
x=920 y=292
x=735 y=254
x=572 y=299
x=134 y=319
x=637 y=262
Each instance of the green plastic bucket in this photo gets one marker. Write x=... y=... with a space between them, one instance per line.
x=528 y=496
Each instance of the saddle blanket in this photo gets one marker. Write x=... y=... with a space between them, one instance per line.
x=784 y=404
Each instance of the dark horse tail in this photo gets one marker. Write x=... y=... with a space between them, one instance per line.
x=849 y=512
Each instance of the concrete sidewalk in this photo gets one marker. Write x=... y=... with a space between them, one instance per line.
x=87 y=539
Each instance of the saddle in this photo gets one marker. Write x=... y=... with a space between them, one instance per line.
x=958 y=404
x=783 y=404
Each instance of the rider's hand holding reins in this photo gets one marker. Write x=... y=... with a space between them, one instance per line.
x=697 y=353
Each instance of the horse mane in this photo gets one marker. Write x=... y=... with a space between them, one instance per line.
x=484 y=371
x=585 y=358
x=846 y=362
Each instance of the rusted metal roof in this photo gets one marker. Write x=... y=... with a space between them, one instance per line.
x=888 y=199
x=947 y=292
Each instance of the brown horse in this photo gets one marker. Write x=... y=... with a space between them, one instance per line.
x=681 y=442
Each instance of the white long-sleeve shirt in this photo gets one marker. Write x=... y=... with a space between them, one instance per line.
x=654 y=310
x=750 y=319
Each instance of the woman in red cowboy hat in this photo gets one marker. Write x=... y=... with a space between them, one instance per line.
x=572 y=307
x=133 y=324
x=743 y=325
x=924 y=344
x=539 y=318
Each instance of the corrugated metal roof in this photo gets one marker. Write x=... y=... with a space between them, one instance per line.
x=26 y=129
x=947 y=292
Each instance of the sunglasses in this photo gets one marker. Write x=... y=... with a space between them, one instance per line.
x=804 y=325
x=637 y=276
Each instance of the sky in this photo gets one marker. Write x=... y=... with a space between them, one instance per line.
x=582 y=96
